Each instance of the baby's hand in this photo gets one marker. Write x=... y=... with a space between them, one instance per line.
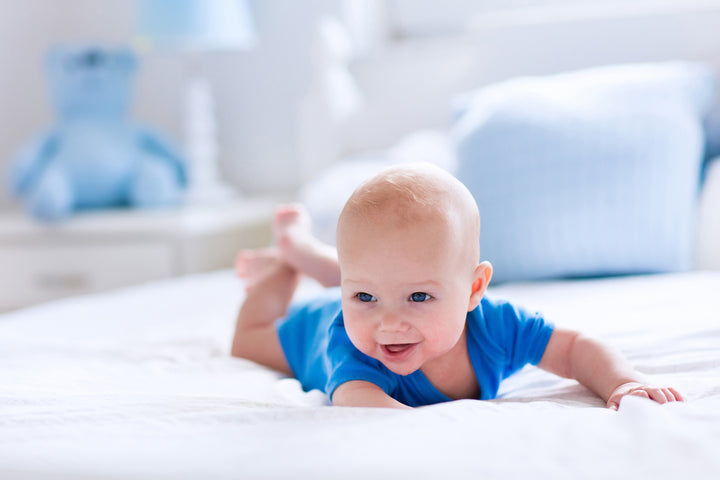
x=659 y=394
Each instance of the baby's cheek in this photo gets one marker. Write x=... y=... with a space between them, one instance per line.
x=443 y=337
x=360 y=337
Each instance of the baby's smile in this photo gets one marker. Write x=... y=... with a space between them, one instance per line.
x=398 y=347
x=394 y=352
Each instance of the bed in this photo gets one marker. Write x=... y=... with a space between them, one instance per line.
x=138 y=383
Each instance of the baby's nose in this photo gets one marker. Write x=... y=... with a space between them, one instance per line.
x=393 y=322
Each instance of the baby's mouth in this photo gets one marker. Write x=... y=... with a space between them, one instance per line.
x=398 y=351
x=398 y=347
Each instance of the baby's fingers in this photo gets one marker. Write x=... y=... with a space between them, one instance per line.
x=640 y=393
x=672 y=395
x=676 y=394
x=660 y=395
x=613 y=402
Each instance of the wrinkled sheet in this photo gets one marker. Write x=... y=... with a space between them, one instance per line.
x=138 y=383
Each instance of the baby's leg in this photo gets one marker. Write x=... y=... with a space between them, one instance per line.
x=266 y=302
x=298 y=247
x=253 y=265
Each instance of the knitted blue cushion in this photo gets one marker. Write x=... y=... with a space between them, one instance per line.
x=587 y=173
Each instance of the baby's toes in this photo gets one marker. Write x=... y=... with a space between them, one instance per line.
x=241 y=263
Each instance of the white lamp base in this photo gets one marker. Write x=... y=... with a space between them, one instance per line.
x=204 y=184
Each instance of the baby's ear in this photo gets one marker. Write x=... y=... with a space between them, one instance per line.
x=481 y=279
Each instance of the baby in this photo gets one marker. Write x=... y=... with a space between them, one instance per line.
x=409 y=325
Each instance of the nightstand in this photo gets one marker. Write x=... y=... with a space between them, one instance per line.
x=98 y=251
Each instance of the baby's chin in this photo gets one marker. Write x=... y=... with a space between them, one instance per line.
x=402 y=371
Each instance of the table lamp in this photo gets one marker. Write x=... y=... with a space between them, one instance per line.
x=197 y=27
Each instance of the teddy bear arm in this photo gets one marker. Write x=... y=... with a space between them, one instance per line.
x=31 y=161
x=153 y=144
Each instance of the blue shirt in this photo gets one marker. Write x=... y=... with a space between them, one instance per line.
x=501 y=339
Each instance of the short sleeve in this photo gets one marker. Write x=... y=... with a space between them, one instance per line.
x=347 y=363
x=512 y=337
x=525 y=336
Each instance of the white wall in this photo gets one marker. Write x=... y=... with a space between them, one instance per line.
x=411 y=83
x=272 y=135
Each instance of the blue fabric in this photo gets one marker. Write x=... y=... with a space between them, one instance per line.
x=501 y=340
x=303 y=334
x=587 y=173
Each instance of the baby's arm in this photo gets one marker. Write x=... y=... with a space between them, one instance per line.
x=600 y=368
x=358 y=393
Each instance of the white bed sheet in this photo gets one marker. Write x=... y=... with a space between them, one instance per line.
x=138 y=383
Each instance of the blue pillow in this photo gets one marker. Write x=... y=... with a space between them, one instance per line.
x=587 y=173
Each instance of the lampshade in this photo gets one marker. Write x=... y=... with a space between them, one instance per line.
x=198 y=25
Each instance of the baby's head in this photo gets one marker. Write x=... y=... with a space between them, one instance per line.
x=408 y=246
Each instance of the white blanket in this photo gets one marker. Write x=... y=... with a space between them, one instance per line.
x=138 y=384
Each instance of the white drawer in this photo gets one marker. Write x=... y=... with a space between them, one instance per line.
x=33 y=273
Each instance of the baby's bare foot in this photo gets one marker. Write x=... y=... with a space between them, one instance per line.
x=269 y=294
x=295 y=246
x=292 y=231
x=253 y=265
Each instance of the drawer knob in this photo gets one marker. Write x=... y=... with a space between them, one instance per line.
x=63 y=281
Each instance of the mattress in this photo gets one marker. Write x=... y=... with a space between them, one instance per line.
x=138 y=383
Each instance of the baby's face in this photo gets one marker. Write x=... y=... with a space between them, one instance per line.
x=405 y=292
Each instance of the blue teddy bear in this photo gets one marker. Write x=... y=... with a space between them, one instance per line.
x=95 y=157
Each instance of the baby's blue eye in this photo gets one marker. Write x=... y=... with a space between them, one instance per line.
x=365 y=297
x=419 y=297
